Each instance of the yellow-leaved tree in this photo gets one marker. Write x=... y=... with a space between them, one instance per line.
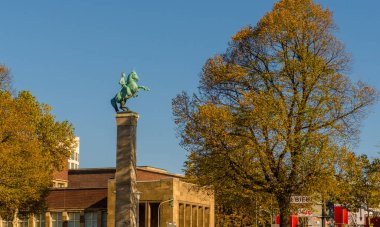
x=274 y=112
x=359 y=184
x=32 y=146
x=5 y=79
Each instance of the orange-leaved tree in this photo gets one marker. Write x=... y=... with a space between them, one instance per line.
x=32 y=146
x=276 y=109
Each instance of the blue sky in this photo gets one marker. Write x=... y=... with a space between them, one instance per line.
x=70 y=54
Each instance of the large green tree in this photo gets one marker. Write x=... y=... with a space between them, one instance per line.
x=275 y=110
x=32 y=146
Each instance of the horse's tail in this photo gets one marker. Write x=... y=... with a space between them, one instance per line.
x=114 y=104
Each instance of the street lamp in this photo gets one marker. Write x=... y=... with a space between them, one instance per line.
x=138 y=195
x=170 y=201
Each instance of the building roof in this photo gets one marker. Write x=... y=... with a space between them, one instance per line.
x=87 y=187
x=77 y=198
x=98 y=177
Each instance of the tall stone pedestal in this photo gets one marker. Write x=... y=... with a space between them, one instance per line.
x=126 y=202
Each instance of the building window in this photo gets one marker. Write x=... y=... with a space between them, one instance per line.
x=141 y=214
x=74 y=219
x=207 y=216
x=90 y=219
x=154 y=214
x=181 y=214
x=6 y=223
x=39 y=220
x=104 y=219
x=22 y=220
x=56 y=219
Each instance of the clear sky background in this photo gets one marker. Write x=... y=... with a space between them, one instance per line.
x=70 y=54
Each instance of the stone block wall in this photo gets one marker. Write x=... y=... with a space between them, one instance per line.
x=192 y=206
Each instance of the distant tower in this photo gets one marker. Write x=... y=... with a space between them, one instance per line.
x=74 y=158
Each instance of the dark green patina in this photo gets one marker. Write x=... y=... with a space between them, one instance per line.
x=129 y=88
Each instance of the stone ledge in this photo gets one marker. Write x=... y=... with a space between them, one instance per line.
x=126 y=118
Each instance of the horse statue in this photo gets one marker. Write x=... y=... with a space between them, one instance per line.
x=129 y=88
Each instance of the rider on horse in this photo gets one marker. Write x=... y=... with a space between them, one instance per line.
x=128 y=90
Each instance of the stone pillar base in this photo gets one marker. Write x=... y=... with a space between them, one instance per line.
x=126 y=203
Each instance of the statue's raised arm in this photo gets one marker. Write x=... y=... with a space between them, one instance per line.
x=129 y=88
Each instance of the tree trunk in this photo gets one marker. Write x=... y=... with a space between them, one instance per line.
x=323 y=212
x=284 y=205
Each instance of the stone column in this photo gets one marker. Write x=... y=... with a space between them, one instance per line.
x=126 y=204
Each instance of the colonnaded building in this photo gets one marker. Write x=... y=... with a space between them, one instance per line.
x=86 y=198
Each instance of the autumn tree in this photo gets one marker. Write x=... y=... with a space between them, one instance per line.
x=238 y=207
x=5 y=80
x=275 y=110
x=32 y=146
x=359 y=183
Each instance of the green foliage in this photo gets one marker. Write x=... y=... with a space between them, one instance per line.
x=234 y=209
x=359 y=182
x=274 y=112
x=171 y=202
x=32 y=146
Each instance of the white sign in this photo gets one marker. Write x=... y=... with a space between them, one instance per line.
x=300 y=199
x=357 y=218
